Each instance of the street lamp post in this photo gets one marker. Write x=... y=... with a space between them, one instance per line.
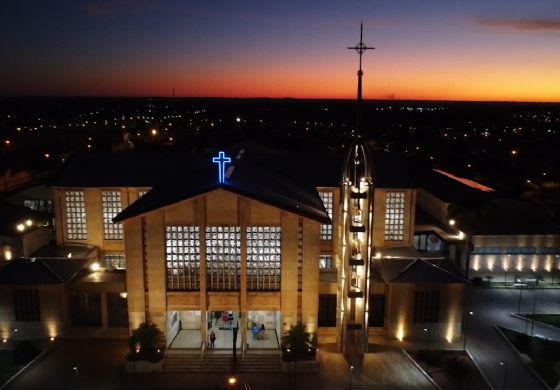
x=76 y=371
x=350 y=382
x=136 y=351
x=533 y=317
x=504 y=364
x=466 y=330
x=519 y=301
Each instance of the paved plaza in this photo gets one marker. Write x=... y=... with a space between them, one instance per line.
x=100 y=362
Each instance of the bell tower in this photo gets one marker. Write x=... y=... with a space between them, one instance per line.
x=357 y=195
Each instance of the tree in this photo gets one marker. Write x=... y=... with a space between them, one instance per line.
x=146 y=343
x=297 y=344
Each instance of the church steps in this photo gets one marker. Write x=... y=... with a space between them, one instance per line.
x=221 y=363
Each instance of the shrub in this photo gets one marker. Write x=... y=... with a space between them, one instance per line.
x=146 y=343
x=297 y=344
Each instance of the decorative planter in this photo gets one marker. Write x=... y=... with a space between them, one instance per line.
x=303 y=366
x=142 y=366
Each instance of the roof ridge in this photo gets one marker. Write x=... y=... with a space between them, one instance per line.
x=49 y=268
x=420 y=260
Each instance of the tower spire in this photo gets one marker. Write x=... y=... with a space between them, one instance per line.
x=360 y=48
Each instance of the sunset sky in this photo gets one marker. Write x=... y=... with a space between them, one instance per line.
x=431 y=49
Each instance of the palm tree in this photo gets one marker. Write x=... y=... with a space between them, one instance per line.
x=146 y=342
x=298 y=344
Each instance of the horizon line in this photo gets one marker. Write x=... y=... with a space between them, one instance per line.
x=264 y=98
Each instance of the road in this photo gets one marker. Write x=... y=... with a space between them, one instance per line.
x=493 y=307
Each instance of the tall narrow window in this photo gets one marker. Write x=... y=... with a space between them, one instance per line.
x=394 y=216
x=111 y=204
x=26 y=305
x=263 y=258
x=327 y=229
x=75 y=215
x=223 y=258
x=426 y=306
x=325 y=261
x=182 y=252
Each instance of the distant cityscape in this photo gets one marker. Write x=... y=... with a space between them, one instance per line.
x=511 y=147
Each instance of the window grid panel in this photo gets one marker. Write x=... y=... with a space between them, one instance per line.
x=264 y=258
x=115 y=261
x=223 y=258
x=111 y=205
x=327 y=229
x=300 y=255
x=325 y=261
x=182 y=254
x=394 y=216
x=75 y=215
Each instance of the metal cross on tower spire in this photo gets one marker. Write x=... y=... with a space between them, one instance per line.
x=360 y=49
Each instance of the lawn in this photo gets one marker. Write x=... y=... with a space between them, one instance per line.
x=451 y=370
x=544 y=354
x=551 y=319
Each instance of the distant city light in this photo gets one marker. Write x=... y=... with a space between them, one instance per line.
x=238 y=119
x=20 y=227
x=154 y=132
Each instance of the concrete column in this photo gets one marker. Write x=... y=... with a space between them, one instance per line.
x=244 y=209
x=94 y=217
x=155 y=256
x=310 y=284
x=59 y=215
x=289 y=280
x=200 y=221
x=134 y=272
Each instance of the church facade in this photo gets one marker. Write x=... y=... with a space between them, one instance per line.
x=266 y=237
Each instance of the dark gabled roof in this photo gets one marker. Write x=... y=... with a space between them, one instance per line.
x=132 y=169
x=40 y=271
x=423 y=272
x=128 y=169
x=244 y=179
x=63 y=251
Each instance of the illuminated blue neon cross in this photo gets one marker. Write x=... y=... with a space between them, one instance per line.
x=221 y=160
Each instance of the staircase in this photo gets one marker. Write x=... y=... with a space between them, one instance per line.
x=216 y=362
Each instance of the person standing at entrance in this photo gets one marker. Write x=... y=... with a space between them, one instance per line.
x=212 y=339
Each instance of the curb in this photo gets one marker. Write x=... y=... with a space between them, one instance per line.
x=421 y=369
x=518 y=355
x=479 y=370
x=28 y=365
